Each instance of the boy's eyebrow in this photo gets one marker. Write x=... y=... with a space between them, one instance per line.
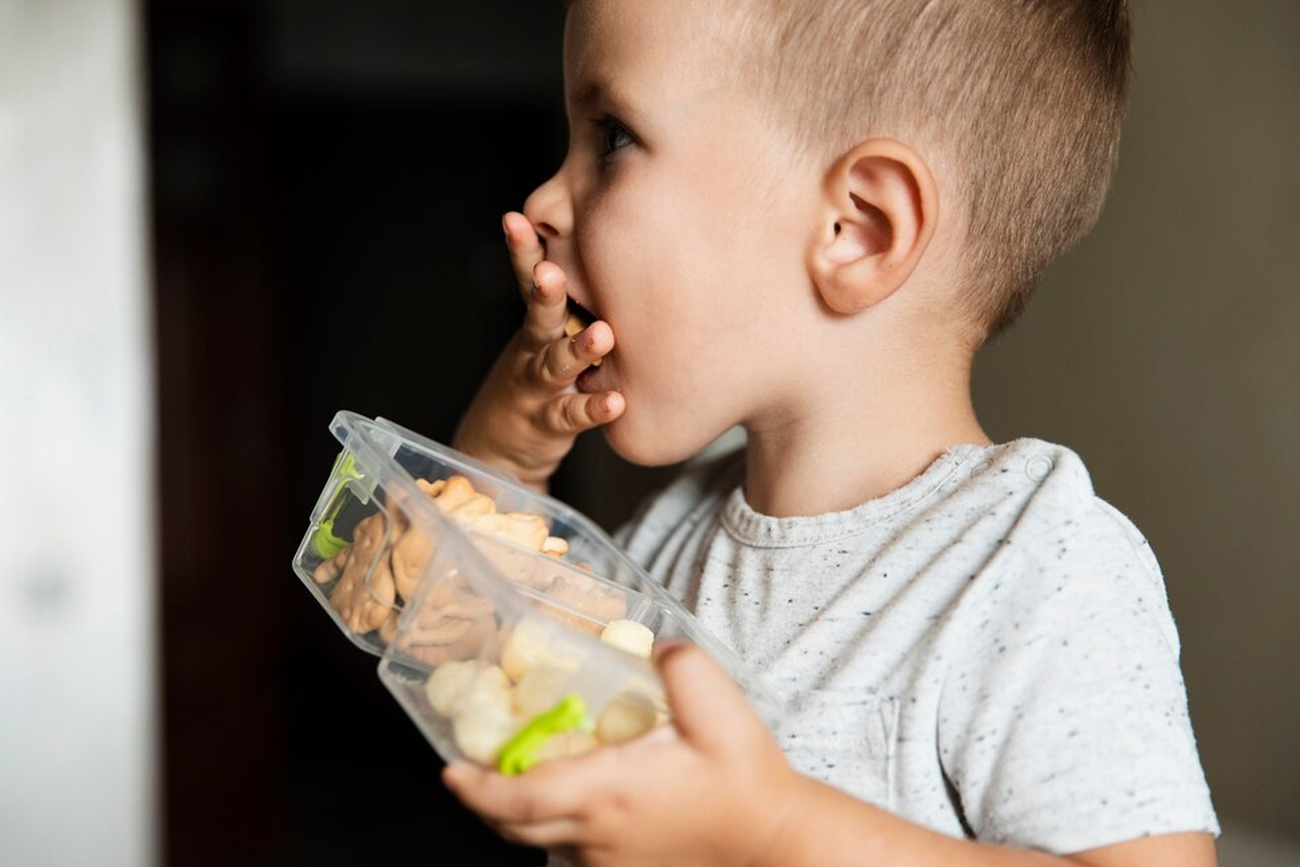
x=588 y=93
x=593 y=92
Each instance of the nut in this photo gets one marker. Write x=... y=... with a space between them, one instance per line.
x=452 y=681
x=483 y=725
x=635 y=638
x=533 y=643
x=555 y=546
x=566 y=745
x=626 y=716
x=539 y=688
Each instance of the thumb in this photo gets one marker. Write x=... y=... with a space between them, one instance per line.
x=708 y=707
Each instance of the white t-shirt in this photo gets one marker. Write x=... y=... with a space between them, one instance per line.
x=987 y=651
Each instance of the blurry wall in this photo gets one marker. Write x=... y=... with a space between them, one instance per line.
x=1166 y=350
x=78 y=748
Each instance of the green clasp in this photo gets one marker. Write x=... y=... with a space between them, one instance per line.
x=323 y=542
x=520 y=752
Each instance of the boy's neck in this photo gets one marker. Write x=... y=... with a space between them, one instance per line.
x=862 y=445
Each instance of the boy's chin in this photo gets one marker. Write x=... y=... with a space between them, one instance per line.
x=649 y=445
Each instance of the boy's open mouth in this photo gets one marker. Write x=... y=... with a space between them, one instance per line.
x=579 y=318
x=579 y=315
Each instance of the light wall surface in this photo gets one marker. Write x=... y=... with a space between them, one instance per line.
x=76 y=431
x=1166 y=350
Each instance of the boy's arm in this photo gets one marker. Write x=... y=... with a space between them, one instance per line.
x=831 y=828
x=528 y=411
x=714 y=788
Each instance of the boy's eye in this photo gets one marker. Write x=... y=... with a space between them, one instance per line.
x=613 y=136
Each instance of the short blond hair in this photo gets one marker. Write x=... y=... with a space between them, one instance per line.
x=1023 y=100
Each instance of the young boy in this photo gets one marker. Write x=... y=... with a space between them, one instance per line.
x=804 y=218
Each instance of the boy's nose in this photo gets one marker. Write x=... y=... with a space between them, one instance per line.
x=550 y=208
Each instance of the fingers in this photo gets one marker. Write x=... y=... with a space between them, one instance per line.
x=544 y=834
x=572 y=414
x=547 y=303
x=561 y=360
x=708 y=707
x=546 y=801
x=525 y=247
x=545 y=290
x=544 y=328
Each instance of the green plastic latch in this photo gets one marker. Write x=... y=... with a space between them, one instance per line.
x=323 y=542
x=520 y=752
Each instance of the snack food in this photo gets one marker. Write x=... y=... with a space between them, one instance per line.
x=363 y=596
x=504 y=689
x=487 y=611
x=523 y=712
x=371 y=578
x=635 y=638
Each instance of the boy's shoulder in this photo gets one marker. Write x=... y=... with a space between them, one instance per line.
x=1063 y=551
x=1049 y=490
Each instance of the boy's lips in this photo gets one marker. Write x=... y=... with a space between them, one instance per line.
x=595 y=380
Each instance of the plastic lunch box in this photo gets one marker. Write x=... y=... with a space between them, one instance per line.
x=510 y=627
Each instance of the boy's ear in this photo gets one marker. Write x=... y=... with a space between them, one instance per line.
x=881 y=208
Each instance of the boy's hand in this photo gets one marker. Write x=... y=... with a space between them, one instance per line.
x=710 y=787
x=528 y=411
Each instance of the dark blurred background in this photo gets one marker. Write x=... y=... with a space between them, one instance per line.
x=328 y=179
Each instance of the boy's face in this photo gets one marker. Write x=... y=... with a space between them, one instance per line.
x=682 y=221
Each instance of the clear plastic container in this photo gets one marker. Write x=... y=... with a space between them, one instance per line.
x=510 y=627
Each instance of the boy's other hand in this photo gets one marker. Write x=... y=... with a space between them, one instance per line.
x=710 y=787
x=529 y=411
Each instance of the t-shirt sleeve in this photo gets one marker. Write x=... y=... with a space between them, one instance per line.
x=1063 y=723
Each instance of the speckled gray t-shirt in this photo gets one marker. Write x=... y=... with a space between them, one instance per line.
x=987 y=651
